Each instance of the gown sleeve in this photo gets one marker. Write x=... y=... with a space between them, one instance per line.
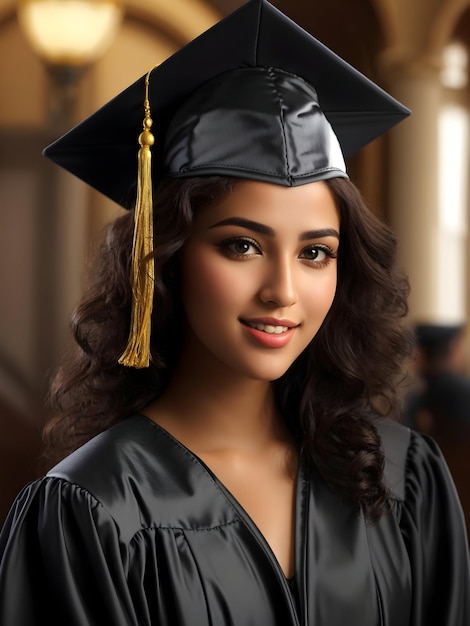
x=61 y=561
x=433 y=526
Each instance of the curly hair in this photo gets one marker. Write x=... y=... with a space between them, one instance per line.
x=330 y=396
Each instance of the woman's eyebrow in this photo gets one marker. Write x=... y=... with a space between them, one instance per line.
x=245 y=223
x=267 y=230
x=321 y=232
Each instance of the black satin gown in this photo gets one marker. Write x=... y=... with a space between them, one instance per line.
x=133 y=529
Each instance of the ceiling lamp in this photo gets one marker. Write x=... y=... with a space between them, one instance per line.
x=69 y=33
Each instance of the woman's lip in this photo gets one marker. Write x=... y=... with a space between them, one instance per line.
x=270 y=340
x=270 y=321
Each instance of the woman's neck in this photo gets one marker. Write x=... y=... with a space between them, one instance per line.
x=215 y=410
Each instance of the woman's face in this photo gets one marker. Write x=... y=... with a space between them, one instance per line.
x=259 y=276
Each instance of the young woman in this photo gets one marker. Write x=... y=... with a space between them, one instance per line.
x=234 y=464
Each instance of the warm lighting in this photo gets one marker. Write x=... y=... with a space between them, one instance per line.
x=450 y=279
x=68 y=36
x=454 y=74
x=69 y=33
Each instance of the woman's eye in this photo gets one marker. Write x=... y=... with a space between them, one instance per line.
x=240 y=246
x=318 y=254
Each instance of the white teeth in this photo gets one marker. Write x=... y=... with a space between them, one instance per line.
x=268 y=328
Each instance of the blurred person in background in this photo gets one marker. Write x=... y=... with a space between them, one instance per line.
x=441 y=398
x=440 y=404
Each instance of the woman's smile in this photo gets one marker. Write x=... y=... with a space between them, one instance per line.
x=277 y=338
x=270 y=332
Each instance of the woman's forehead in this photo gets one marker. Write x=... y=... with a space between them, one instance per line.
x=274 y=206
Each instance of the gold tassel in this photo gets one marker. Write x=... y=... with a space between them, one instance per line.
x=137 y=352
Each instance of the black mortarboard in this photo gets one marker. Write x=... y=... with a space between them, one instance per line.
x=431 y=335
x=255 y=97
x=265 y=124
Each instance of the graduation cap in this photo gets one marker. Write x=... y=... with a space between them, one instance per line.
x=254 y=97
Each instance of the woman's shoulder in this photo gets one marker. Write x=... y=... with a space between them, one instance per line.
x=412 y=460
x=415 y=471
x=428 y=515
x=138 y=470
x=126 y=448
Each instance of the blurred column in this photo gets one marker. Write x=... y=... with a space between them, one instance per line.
x=413 y=180
x=68 y=36
x=424 y=209
x=453 y=179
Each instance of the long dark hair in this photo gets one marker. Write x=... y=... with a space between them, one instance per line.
x=330 y=396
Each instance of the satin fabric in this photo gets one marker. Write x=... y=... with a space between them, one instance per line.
x=253 y=122
x=133 y=529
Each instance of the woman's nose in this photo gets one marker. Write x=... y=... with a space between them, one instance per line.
x=279 y=284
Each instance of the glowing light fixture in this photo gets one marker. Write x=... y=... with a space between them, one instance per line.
x=454 y=74
x=69 y=33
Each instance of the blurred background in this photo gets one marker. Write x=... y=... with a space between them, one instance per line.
x=62 y=59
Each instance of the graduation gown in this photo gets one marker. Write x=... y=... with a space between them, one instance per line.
x=133 y=529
